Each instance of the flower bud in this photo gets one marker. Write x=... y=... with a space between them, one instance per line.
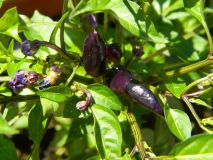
x=94 y=54
x=92 y=21
x=113 y=52
x=29 y=48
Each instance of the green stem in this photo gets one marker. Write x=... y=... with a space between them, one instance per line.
x=189 y=68
x=209 y=40
x=69 y=57
x=136 y=134
x=6 y=99
x=72 y=75
x=197 y=118
x=62 y=25
x=118 y=34
x=187 y=88
x=106 y=18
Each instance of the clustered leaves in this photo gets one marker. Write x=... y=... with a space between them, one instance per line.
x=108 y=80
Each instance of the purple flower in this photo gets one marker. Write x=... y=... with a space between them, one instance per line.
x=29 y=48
x=94 y=55
x=23 y=79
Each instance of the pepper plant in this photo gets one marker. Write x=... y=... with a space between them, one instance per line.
x=112 y=80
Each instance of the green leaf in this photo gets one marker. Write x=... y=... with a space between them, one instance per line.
x=175 y=85
x=51 y=107
x=107 y=132
x=206 y=93
x=94 y=158
x=9 y=24
x=207 y=121
x=56 y=93
x=199 y=102
x=40 y=27
x=196 y=8
x=128 y=13
x=6 y=128
x=179 y=123
x=198 y=147
x=7 y=149
x=35 y=126
x=103 y=96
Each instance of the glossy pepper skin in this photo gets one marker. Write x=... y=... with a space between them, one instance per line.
x=122 y=83
x=94 y=55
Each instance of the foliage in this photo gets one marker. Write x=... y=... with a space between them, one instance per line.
x=66 y=113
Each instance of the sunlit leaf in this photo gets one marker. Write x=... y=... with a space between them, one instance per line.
x=51 y=107
x=128 y=13
x=5 y=128
x=175 y=86
x=198 y=147
x=56 y=93
x=107 y=132
x=178 y=123
x=9 y=24
x=207 y=121
x=103 y=96
x=199 y=102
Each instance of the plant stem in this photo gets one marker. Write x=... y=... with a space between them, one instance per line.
x=72 y=75
x=189 y=68
x=197 y=118
x=118 y=34
x=6 y=99
x=210 y=76
x=136 y=134
x=106 y=18
x=69 y=57
x=62 y=25
x=209 y=40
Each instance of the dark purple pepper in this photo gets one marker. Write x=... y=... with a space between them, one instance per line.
x=92 y=21
x=113 y=52
x=137 y=51
x=122 y=83
x=29 y=48
x=144 y=96
x=94 y=55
